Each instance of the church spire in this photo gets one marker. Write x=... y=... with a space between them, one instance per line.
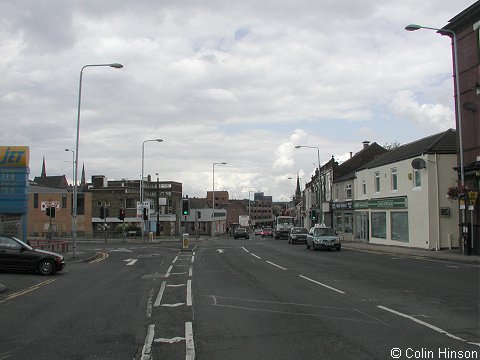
x=83 y=181
x=44 y=172
x=298 y=191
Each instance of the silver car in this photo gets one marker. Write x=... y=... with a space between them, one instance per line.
x=323 y=237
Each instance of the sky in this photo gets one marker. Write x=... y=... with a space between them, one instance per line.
x=241 y=82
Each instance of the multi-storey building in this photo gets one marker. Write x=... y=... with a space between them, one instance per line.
x=466 y=26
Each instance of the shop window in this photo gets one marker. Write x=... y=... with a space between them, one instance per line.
x=379 y=225
x=348 y=219
x=399 y=222
x=339 y=222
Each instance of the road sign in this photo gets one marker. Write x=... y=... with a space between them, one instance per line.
x=46 y=204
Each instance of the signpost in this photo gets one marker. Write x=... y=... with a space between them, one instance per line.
x=14 y=183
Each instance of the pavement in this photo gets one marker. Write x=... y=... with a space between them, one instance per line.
x=452 y=255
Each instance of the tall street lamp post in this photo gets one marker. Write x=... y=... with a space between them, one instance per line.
x=158 y=205
x=141 y=183
x=73 y=174
x=414 y=27
x=213 y=194
x=75 y=188
x=319 y=205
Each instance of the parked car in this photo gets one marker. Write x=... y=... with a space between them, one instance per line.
x=267 y=231
x=297 y=234
x=17 y=255
x=323 y=237
x=258 y=231
x=240 y=233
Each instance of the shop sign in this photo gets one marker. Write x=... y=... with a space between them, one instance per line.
x=385 y=203
x=346 y=205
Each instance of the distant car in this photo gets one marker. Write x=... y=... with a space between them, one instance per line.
x=16 y=255
x=240 y=233
x=258 y=231
x=323 y=237
x=267 y=231
x=297 y=234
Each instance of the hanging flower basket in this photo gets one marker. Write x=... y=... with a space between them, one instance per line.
x=455 y=192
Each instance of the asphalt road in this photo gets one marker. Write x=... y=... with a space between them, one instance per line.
x=242 y=299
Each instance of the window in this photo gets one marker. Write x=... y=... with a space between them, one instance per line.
x=417 y=178
x=379 y=225
x=399 y=221
x=130 y=203
x=338 y=222
x=64 y=201
x=364 y=186
x=348 y=223
x=35 y=201
x=348 y=191
x=336 y=192
x=394 y=179
x=377 y=181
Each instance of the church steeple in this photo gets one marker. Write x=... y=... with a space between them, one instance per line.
x=44 y=172
x=83 y=181
x=298 y=191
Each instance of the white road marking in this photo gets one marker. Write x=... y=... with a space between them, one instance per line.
x=149 y=304
x=133 y=261
x=160 y=294
x=120 y=250
x=175 y=260
x=258 y=257
x=168 y=271
x=278 y=266
x=319 y=283
x=190 y=272
x=147 y=347
x=193 y=258
x=437 y=329
x=189 y=293
x=189 y=343
x=173 y=305
x=176 y=285
x=170 y=341
x=220 y=251
x=245 y=249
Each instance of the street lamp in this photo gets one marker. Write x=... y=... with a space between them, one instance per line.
x=73 y=161
x=75 y=189
x=213 y=194
x=319 y=205
x=141 y=182
x=414 y=27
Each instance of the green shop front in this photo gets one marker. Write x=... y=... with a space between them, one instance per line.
x=381 y=220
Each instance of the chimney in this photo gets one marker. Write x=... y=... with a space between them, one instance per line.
x=366 y=144
x=351 y=154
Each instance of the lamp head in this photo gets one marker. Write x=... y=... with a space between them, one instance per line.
x=412 y=27
x=223 y=163
x=116 y=65
x=159 y=140
x=298 y=147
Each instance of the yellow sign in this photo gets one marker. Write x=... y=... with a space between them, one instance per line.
x=472 y=196
x=14 y=156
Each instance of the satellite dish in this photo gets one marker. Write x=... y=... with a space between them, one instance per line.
x=419 y=164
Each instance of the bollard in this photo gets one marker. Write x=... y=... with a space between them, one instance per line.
x=185 y=242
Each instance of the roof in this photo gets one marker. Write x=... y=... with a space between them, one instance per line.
x=199 y=203
x=346 y=170
x=52 y=181
x=441 y=143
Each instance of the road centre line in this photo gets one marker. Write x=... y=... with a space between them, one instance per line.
x=245 y=249
x=147 y=346
x=189 y=343
x=175 y=260
x=190 y=272
x=319 y=283
x=189 y=293
x=168 y=271
x=26 y=291
x=160 y=294
x=278 y=266
x=258 y=257
x=433 y=327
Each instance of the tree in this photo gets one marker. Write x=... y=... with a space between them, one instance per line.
x=392 y=145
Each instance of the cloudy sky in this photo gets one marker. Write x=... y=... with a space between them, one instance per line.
x=240 y=82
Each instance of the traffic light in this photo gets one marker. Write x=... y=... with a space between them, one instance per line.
x=102 y=212
x=107 y=212
x=47 y=211
x=185 y=207
x=121 y=214
x=50 y=211
x=314 y=215
x=145 y=214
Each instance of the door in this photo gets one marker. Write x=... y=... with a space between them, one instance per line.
x=361 y=226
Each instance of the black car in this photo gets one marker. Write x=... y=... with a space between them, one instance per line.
x=297 y=234
x=16 y=255
x=240 y=233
